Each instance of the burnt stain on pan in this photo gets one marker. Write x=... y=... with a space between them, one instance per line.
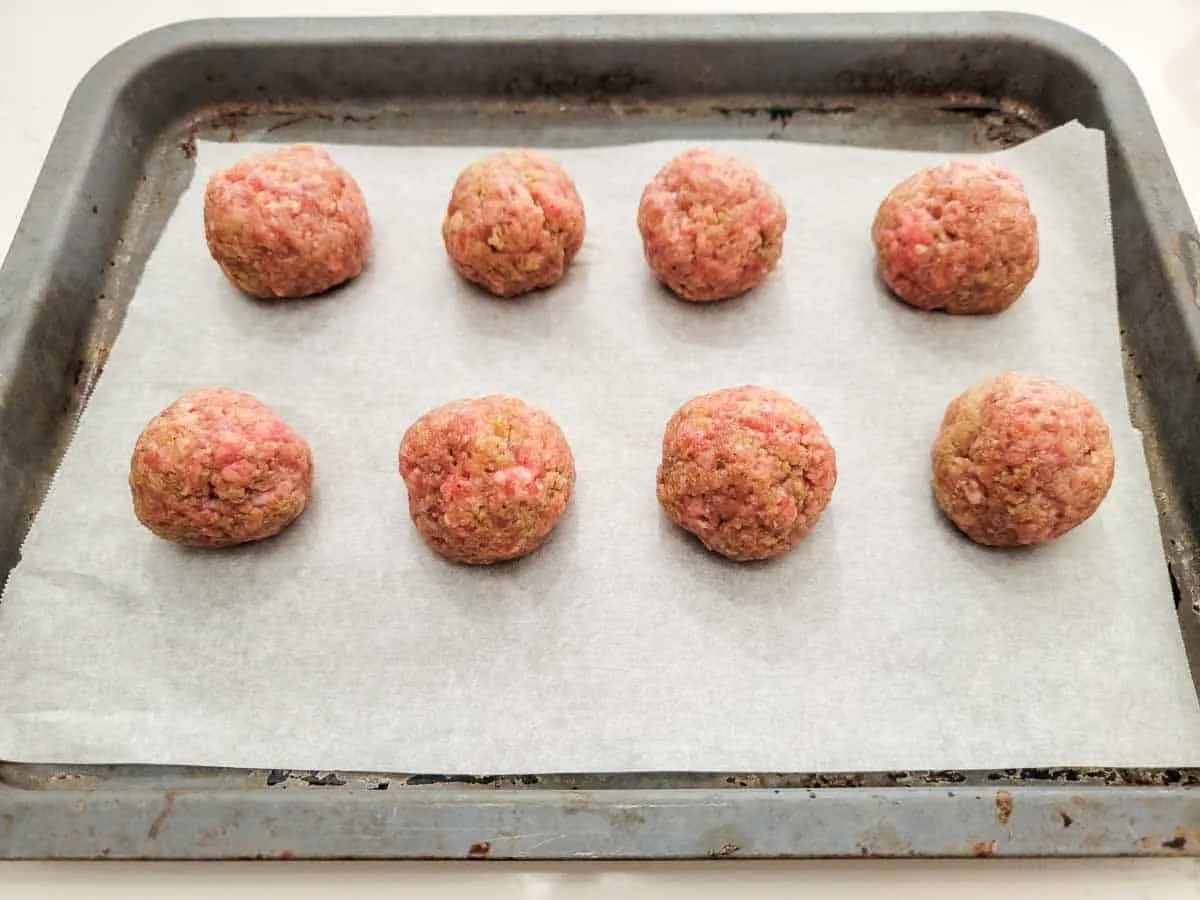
x=592 y=88
x=983 y=848
x=1004 y=807
x=330 y=779
x=783 y=115
x=161 y=819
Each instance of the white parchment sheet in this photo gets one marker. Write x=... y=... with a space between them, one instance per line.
x=885 y=641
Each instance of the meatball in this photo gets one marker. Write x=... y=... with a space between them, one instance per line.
x=711 y=226
x=217 y=467
x=487 y=478
x=514 y=222
x=289 y=223
x=1021 y=460
x=747 y=470
x=958 y=237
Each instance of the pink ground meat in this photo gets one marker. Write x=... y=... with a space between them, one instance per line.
x=711 y=226
x=289 y=223
x=747 y=470
x=218 y=467
x=1021 y=460
x=487 y=478
x=958 y=237
x=514 y=222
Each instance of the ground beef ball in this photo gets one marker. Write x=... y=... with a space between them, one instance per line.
x=1021 y=460
x=746 y=470
x=958 y=237
x=218 y=467
x=711 y=226
x=289 y=223
x=487 y=478
x=514 y=222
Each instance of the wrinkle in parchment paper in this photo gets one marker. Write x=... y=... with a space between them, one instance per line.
x=886 y=641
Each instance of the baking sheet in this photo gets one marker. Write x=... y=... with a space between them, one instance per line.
x=885 y=641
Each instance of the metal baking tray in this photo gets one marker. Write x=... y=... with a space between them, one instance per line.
x=950 y=82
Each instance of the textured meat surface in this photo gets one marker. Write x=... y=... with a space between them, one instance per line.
x=289 y=223
x=487 y=478
x=747 y=470
x=1021 y=459
x=958 y=237
x=711 y=226
x=514 y=222
x=218 y=467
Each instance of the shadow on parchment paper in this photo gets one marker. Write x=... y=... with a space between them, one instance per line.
x=759 y=577
x=770 y=597
x=930 y=332
x=1015 y=568
x=536 y=576
x=524 y=319
x=736 y=322
x=306 y=314
x=167 y=563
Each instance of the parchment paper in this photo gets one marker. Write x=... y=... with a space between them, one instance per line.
x=885 y=641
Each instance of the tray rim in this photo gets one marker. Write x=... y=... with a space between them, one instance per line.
x=40 y=240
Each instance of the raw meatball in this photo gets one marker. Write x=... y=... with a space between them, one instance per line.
x=746 y=470
x=288 y=223
x=711 y=226
x=959 y=237
x=514 y=222
x=487 y=478
x=218 y=467
x=1021 y=460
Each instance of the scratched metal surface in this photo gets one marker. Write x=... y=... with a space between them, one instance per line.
x=948 y=82
x=744 y=823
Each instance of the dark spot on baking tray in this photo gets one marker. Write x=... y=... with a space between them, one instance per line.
x=482 y=850
x=1066 y=819
x=978 y=110
x=984 y=848
x=1176 y=843
x=600 y=88
x=382 y=786
x=275 y=776
x=418 y=780
x=188 y=148
x=1174 y=582
x=920 y=778
x=1004 y=807
x=724 y=851
x=329 y=779
x=163 y=815
x=1131 y=777
x=1036 y=774
x=296 y=120
x=784 y=114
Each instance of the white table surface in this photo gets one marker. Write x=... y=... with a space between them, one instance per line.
x=46 y=46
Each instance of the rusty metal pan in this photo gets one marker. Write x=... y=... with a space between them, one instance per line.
x=948 y=82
